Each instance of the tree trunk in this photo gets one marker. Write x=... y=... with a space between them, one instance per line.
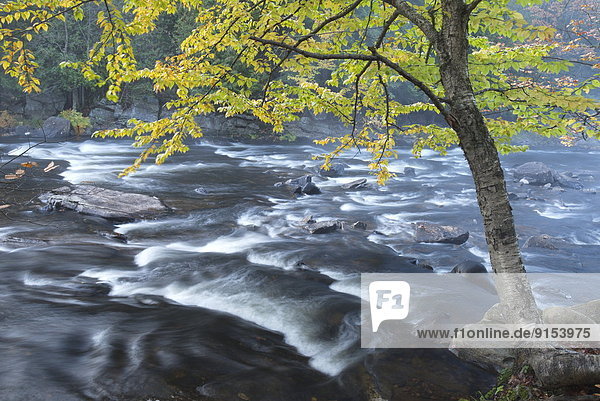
x=481 y=154
x=553 y=367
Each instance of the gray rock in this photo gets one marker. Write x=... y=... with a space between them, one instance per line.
x=107 y=203
x=201 y=191
x=435 y=233
x=310 y=189
x=357 y=184
x=564 y=315
x=359 y=225
x=301 y=185
x=469 y=266
x=45 y=104
x=535 y=173
x=324 y=227
x=567 y=182
x=335 y=170
x=410 y=172
x=300 y=181
x=513 y=196
x=26 y=130
x=56 y=128
x=545 y=241
x=308 y=220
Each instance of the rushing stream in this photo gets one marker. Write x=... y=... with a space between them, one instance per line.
x=227 y=297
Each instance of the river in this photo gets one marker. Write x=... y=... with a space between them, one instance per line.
x=226 y=297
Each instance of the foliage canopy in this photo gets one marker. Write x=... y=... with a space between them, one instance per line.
x=277 y=58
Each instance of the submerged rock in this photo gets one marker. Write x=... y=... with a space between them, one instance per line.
x=436 y=233
x=107 y=203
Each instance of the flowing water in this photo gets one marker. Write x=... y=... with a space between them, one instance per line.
x=227 y=297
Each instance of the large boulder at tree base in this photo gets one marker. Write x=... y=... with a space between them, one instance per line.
x=536 y=173
x=107 y=203
x=436 y=233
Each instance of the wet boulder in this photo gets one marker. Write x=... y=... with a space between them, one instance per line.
x=301 y=185
x=106 y=203
x=410 y=172
x=566 y=181
x=469 y=266
x=56 y=128
x=335 y=170
x=323 y=227
x=310 y=189
x=436 y=233
x=356 y=184
x=359 y=225
x=534 y=173
x=545 y=241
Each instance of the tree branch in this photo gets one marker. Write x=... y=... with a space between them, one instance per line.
x=410 y=78
x=409 y=12
x=318 y=56
x=473 y=5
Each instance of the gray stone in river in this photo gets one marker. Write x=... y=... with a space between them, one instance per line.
x=535 y=173
x=310 y=189
x=107 y=203
x=436 y=233
x=335 y=170
x=356 y=184
x=545 y=241
x=324 y=227
x=301 y=185
x=469 y=266
x=410 y=172
x=567 y=182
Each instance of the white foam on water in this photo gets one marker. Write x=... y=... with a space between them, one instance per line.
x=150 y=255
x=349 y=285
x=481 y=253
x=293 y=318
x=388 y=200
x=227 y=244
x=35 y=281
x=275 y=258
x=443 y=199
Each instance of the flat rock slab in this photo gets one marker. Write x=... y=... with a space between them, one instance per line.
x=107 y=203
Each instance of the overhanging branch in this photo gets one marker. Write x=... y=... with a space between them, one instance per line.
x=413 y=15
